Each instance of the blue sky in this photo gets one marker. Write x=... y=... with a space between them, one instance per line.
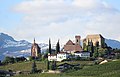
x=43 y=19
x=8 y=19
x=114 y=3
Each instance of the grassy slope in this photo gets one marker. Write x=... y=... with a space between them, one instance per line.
x=111 y=69
x=24 y=66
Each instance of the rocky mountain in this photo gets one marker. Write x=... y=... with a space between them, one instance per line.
x=10 y=47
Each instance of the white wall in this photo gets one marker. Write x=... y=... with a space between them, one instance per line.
x=52 y=58
x=83 y=54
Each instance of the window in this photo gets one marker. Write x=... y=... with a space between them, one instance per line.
x=77 y=40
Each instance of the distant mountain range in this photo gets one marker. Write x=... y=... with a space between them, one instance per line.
x=10 y=47
x=113 y=43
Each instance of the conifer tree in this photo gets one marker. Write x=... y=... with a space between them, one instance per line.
x=57 y=47
x=88 y=45
x=50 y=46
x=53 y=65
x=84 y=46
x=34 y=67
x=48 y=63
x=92 y=48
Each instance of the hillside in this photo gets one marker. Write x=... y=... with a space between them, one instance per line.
x=112 y=43
x=110 y=69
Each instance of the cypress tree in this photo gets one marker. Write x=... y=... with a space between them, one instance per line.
x=53 y=65
x=88 y=45
x=57 y=47
x=50 y=46
x=84 y=46
x=92 y=48
x=48 y=63
x=34 y=67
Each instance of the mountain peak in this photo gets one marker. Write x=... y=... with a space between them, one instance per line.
x=113 y=43
x=4 y=37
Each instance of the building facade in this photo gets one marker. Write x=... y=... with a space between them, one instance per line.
x=95 y=39
x=52 y=57
x=62 y=56
x=35 y=50
x=58 y=57
x=82 y=54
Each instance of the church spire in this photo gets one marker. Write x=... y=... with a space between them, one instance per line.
x=34 y=40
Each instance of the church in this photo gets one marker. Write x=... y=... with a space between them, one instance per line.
x=71 y=47
x=35 y=50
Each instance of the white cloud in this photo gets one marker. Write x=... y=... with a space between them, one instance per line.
x=87 y=3
x=66 y=18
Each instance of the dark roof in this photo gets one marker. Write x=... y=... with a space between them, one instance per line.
x=5 y=72
x=62 y=53
x=81 y=51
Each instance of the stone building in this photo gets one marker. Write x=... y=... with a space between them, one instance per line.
x=71 y=47
x=95 y=39
x=35 y=50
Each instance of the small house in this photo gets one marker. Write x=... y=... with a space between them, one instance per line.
x=82 y=54
x=62 y=56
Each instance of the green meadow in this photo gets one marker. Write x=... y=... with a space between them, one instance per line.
x=110 y=69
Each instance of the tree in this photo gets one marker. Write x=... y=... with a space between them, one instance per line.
x=48 y=63
x=9 y=60
x=31 y=58
x=97 y=44
x=102 y=52
x=34 y=67
x=95 y=54
x=84 y=47
x=18 y=59
x=50 y=47
x=53 y=65
x=57 y=47
x=92 y=49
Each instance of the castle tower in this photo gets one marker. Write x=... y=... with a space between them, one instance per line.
x=77 y=40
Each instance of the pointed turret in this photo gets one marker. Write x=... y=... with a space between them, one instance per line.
x=34 y=41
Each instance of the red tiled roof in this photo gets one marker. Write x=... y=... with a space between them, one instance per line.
x=70 y=46
x=70 y=43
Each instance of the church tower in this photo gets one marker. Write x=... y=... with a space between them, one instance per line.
x=35 y=49
x=77 y=40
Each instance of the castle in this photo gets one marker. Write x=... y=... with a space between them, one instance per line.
x=95 y=39
x=35 y=50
